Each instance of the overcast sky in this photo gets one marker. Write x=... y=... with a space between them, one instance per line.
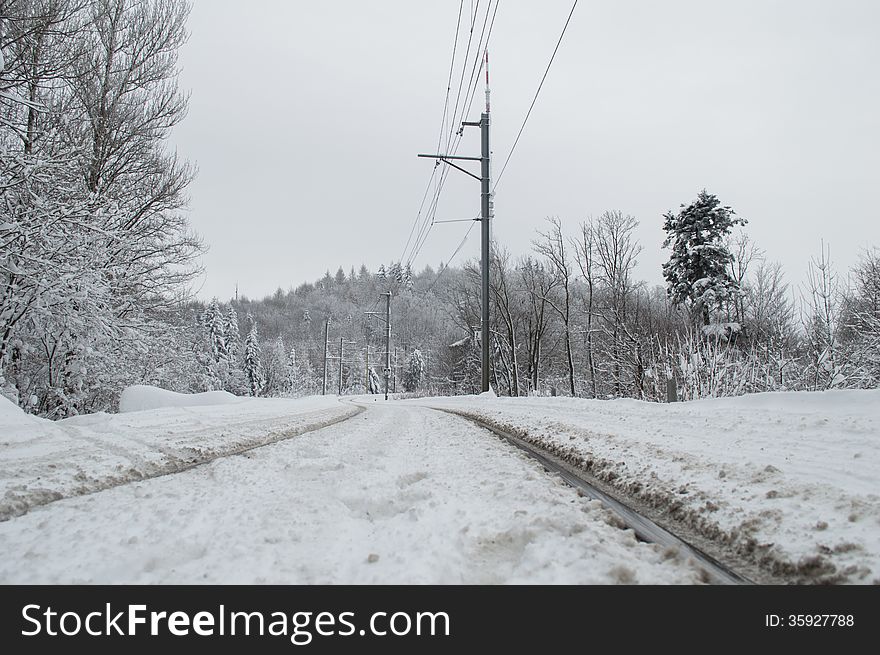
x=306 y=117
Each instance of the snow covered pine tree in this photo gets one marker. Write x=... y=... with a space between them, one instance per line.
x=696 y=272
x=415 y=372
x=253 y=368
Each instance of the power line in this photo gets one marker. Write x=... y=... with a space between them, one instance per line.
x=479 y=59
x=442 y=129
x=463 y=69
x=529 y=112
x=473 y=84
x=451 y=257
x=419 y=214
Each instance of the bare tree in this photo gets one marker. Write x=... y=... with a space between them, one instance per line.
x=770 y=322
x=505 y=300
x=744 y=252
x=585 y=255
x=821 y=305
x=538 y=285
x=552 y=246
x=861 y=320
x=616 y=252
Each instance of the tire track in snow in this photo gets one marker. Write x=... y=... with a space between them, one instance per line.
x=174 y=464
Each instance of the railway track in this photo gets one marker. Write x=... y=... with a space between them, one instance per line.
x=644 y=528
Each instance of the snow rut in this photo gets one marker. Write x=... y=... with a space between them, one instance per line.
x=49 y=481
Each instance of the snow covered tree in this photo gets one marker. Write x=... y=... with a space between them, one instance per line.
x=415 y=372
x=215 y=326
x=292 y=372
x=253 y=367
x=234 y=381
x=822 y=309
x=94 y=246
x=375 y=384
x=697 y=270
x=862 y=320
x=217 y=363
x=395 y=273
x=232 y=334
x=382 y=274
x=276 y=373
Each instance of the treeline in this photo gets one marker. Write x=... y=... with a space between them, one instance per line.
x=570 y=319
x=94 y=247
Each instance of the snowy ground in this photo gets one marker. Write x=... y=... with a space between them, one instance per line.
x=42 y=461
x=787 y=481
x=397 y=494
x=243 y=491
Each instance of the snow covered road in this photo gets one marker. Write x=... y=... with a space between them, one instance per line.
x=397 y=494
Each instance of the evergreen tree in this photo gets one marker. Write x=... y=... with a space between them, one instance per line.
x=215 y=325
x=218 y=361
x=395 y=273
x=292 y=372
x=415 y=372
x=234 y=381
x=408 y=277
x=233 y=336
x=382 y=274
x=697 y=270
x=253 y=368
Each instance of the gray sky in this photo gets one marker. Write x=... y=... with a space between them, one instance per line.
x=306 y=118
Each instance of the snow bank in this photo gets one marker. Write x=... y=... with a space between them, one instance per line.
x=786 y=481
x=17 y=426
x=141 y=397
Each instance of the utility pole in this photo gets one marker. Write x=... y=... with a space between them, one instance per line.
x=484 y=260
x=326 y=345
x=341 y=347
x=367 y=371
x=387 y=340
x=485 y=216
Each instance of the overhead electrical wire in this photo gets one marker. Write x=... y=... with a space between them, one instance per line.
x=529 y=112
x=428 y=221
x=451 y=257
x=473 y=84
x=442 y=129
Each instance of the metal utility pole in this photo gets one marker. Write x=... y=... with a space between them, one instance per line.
x=485 y=210
x=367 y=371
x=326 y=345
x=341 y=347
x=485 y=216
x=387 y=340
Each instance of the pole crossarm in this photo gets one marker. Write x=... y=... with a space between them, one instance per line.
x=452 y=157
x=445 y=159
